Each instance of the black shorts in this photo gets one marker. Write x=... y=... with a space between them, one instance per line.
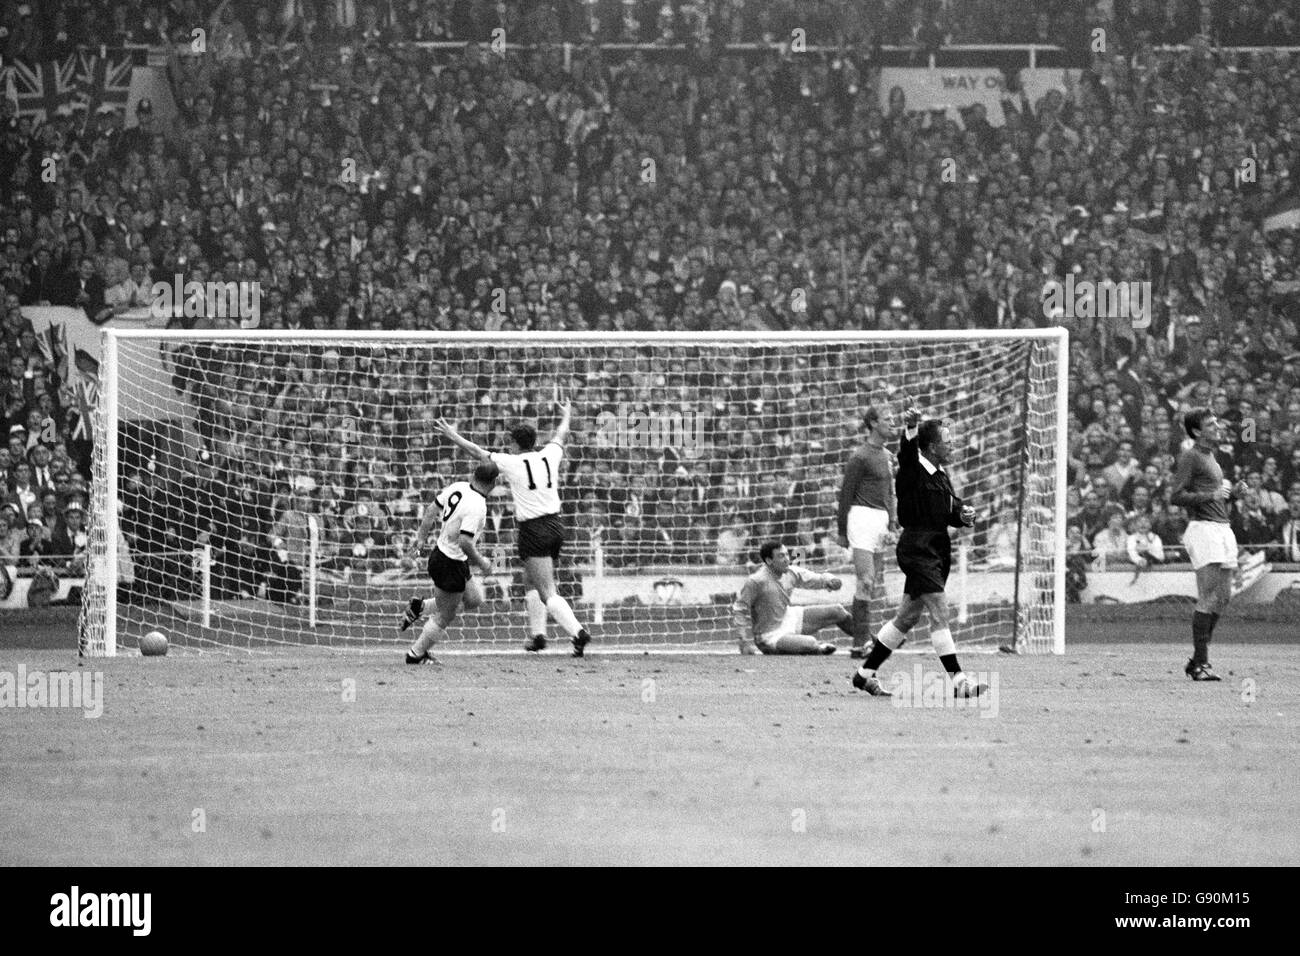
x=541 y=537
x=925 y=558
x=448 y=574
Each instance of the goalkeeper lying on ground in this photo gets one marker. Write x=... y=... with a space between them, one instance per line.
x=766 y=619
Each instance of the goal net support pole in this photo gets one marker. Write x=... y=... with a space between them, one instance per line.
x=205 y=576
x=1061 y=505
x=107 y=564
x=313 y=563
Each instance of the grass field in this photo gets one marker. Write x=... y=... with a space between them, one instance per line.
x=1105 y=756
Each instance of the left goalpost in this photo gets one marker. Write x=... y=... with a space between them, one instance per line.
x=259 y=489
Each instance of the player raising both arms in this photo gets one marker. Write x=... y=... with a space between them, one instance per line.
x=1199 y=486
x=463 y=509
x=927 y=507
x=866 y=516
x=534 y=476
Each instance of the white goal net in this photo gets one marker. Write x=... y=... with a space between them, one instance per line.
x=261 y=489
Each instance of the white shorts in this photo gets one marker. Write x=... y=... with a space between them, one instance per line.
x=867 y=528
x=1210 y=542
x=792 y=623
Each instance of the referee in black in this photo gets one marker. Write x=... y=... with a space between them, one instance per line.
x=927 y=507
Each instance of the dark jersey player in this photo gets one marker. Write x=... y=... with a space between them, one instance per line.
x=767 y=621
x=1200 y=487
x=866 y=520
x=927 y=508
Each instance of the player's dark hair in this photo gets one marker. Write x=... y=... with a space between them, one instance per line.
x=931 y=431
x=525 y=436
x=870 y=417
x=1194 y=420
x=485 y=472
x=767 y=549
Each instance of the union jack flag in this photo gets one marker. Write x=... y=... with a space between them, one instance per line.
x=79 y=82
x=42 y=89
x=104 y=80
x=86 y=389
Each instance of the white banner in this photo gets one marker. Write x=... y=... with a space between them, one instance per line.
x=952 y=89
x=1257 y=583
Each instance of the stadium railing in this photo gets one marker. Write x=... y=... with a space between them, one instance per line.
x=1007 y=55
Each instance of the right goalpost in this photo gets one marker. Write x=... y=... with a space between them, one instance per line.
x=260 y=489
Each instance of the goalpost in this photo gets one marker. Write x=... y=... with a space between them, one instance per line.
x=260 y=489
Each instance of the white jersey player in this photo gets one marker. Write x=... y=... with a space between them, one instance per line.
x=462 y=506
x=464 y=512
x=534 y=477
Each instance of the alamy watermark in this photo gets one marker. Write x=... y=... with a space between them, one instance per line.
x=935 y=690
x=632 y=427
x=1086 y=299
x=84 y=690
x=215 y=300
x=131 y=911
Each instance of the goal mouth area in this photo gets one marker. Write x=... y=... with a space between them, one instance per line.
x=687 y=451
x=555 y=650
x=263 y=629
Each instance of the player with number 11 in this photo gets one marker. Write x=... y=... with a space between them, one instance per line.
x=534 y=475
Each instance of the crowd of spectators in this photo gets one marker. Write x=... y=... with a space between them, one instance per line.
x=43 y=519
x=629 y=192
x=749 y=457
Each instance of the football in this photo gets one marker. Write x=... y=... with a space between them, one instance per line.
x=153 y=644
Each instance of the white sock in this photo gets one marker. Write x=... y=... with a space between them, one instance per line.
x=431 y=633
x=563 y=615
x=889 y=636
x=942 y=642
x=536 y=613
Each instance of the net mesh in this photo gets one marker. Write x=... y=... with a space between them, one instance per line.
x=269 y=489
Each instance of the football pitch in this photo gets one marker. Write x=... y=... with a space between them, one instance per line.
x=1105 y=756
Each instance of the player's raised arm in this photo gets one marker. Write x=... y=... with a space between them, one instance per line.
x=449 y=430
x=908 y=448
x=562 y=429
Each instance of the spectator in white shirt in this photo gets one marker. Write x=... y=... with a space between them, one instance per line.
x=120 y=288
x=1291 y=531
x=141 y=287
x=1110 y=544
x=1123 y=468
x=1144 y=545
x=1002 y=542
x=1271 y=502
